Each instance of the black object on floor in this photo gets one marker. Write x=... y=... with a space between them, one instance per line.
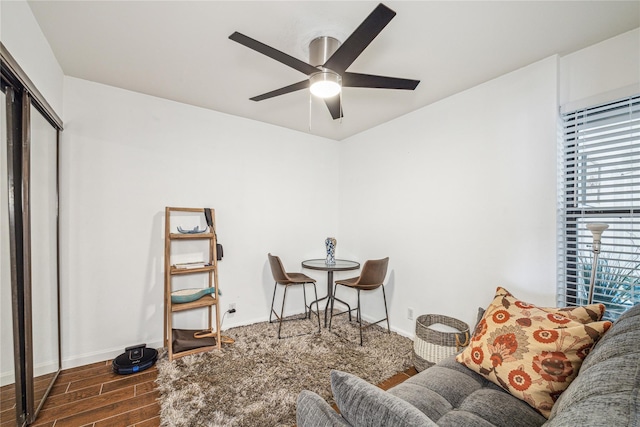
x=135 y=359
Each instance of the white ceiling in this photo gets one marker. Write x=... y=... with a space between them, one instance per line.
x=180 y=50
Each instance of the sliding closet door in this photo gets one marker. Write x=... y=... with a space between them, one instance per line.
x=29 y=287
x=7 y=366
x=43 y=209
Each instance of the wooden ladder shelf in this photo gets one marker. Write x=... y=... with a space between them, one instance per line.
x=209 y=301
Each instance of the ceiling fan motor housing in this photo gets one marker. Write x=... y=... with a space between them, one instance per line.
x=321 y=49
x=325 y=83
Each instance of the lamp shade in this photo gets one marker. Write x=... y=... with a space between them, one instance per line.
x=596 y=229
x=325 y=84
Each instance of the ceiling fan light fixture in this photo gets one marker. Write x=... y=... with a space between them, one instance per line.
x=325 y=84
x=329 y=60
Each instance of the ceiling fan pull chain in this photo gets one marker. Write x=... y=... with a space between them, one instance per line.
x=310 y=104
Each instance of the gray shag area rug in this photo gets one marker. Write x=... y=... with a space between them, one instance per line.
x=256 y=380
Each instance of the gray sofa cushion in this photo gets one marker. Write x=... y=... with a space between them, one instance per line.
x=314 y=411
x=363 y=404
x=607 y=390
x=452 y=395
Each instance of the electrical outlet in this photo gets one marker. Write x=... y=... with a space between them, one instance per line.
x=410 y=313
x=232 y=308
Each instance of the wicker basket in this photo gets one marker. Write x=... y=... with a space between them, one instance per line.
x=431 y=346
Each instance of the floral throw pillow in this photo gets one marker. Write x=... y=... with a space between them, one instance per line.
x=534 y=353
x=583 y=314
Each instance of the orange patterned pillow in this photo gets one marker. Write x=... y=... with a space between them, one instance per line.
x=534 y=353
x=583 y=314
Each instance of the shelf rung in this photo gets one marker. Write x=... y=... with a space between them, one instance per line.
x=205 y=301
x=175 y=271
x=192 y=236
x=179 y=209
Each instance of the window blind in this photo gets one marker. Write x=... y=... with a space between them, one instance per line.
x=600 y=182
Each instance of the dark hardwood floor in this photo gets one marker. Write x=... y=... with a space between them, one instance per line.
x=397 y=378
x=93 y=396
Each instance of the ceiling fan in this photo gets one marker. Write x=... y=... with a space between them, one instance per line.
x=329 y=59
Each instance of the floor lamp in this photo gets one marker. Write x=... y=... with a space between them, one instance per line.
x=596 y=229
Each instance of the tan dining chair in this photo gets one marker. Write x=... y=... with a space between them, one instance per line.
x=285 y=279
x=371 y=277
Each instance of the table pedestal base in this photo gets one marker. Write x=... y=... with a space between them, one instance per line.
x=340 y=265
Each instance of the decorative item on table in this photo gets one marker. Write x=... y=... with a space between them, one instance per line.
x=194 y=230
x=596 y=229
x=188 y=295
x=331 y=243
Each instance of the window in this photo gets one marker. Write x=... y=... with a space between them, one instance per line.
x=600 y=182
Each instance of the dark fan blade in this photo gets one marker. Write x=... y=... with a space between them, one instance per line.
x=282 y=57
x=283 y=90
x=379 y=82
x=333 y=104
x=360 y=39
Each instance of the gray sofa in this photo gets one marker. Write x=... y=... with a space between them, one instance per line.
x=606 y=392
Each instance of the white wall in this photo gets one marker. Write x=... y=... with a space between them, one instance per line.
x=124 y=157
x=461 y=196
x=21 y=35
x=601 y=73
x=23 y=38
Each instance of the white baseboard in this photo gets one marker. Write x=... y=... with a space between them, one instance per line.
x=109 y=354
x=399 y=331
x=228 y=324
x=45 y=368
x=100 y=356
x=7 y=378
